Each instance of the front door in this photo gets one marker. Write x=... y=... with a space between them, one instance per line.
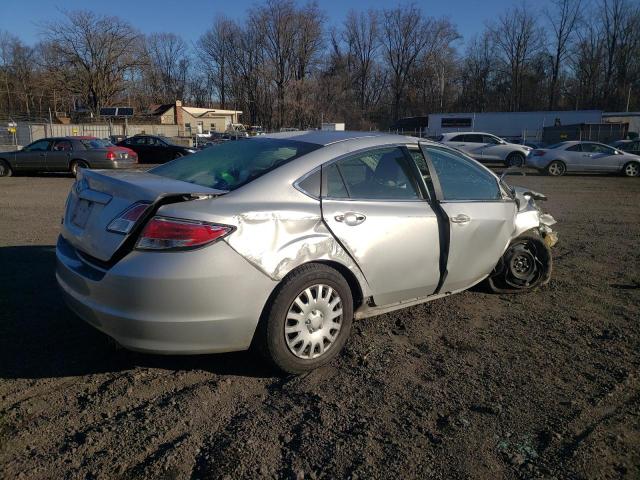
x=602 y=157
x=481 y=218
x=373 y=204
x=33 y=156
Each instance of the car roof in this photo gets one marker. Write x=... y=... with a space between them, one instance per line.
x=324 y=138
x=448 y=134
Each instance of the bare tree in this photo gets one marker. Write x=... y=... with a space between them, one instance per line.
x=517 y=39
x=168 y=66
x=563 y=17
x=93 y=55
x=276 y=22
x=361 y=34
x=403 y=38
x=216 y=47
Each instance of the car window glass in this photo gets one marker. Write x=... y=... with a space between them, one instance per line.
x=474 y=138
x=383 y=174
x=230 y=165
x=596 y=148
x=334 y=186
x=62 y=146
x=421 y=163
x=458 y=138
x=139 y=141
x=575 y=148
x=490 y=139
x=39 y=146
x=311 y=184
x=462 y=179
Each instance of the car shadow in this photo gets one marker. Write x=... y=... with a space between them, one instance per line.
x=41 y=338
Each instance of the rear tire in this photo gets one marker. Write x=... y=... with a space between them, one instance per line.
x=75 y=165
x=556 y=168
x=631 y=169
x=5 y=169
x=515 y=159
x=307 y=320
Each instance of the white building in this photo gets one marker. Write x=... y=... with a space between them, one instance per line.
x=527 y=125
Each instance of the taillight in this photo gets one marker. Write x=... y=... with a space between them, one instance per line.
x=538 y=153
x=124 y=222
x=111 y=155
x=162 y=233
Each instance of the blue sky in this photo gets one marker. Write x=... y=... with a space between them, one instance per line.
x=191 y=18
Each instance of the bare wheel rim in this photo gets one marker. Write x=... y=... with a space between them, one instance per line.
x=632 y=170
x=556 y=168
x=313 y=322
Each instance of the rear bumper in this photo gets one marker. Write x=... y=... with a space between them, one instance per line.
x=200 y=301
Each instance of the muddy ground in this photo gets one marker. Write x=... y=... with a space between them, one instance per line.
x=543 y=385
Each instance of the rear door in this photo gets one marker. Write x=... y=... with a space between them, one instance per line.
x=59 y=156
x=481 y=217
x=33 y=156
x=373 y=203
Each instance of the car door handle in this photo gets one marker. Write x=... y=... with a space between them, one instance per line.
x=461 y=218
x=587 y=155
x=350 y=218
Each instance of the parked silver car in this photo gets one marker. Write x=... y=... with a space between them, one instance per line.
x=485 y=147
x=577 y=156
x=281 y=240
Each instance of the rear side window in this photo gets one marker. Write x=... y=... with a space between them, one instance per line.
x=575 y=148
x=462 y=179
x=62 y=146
x=382 y=174
x=232 y=164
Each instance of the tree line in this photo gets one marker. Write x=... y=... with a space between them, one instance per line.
x=285 y=67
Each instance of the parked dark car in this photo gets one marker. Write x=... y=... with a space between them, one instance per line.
x=629 y=146
x=153 y=149
x=66 y=154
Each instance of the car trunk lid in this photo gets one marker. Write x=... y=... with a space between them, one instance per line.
x=100 y=196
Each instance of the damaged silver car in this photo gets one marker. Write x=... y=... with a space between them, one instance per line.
x=280 y=241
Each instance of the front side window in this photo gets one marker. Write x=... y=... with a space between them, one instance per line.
x=462 y=179
x=230 y=165
x=597 y=148
x=381 y=174
x=39 y=146
x=490 y=139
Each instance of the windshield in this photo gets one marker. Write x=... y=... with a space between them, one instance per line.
x=230 y=165
x=96 y=143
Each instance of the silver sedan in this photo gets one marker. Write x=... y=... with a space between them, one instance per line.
x=577 y=156
x=280 y=241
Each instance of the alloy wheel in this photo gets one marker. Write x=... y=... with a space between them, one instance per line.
x=556 y=169
x=632 y=170
x=313 y=321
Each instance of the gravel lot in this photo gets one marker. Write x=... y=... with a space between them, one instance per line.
x=475 y=385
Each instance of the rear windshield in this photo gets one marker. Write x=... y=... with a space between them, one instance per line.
x=96 y=143
x=230 y=165
x=556 y=145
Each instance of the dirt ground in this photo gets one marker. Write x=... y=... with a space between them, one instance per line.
x=543 y=385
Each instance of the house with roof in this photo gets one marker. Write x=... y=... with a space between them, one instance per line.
x=193 y=120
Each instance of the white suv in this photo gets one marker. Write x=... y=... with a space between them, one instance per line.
x=485 y=147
